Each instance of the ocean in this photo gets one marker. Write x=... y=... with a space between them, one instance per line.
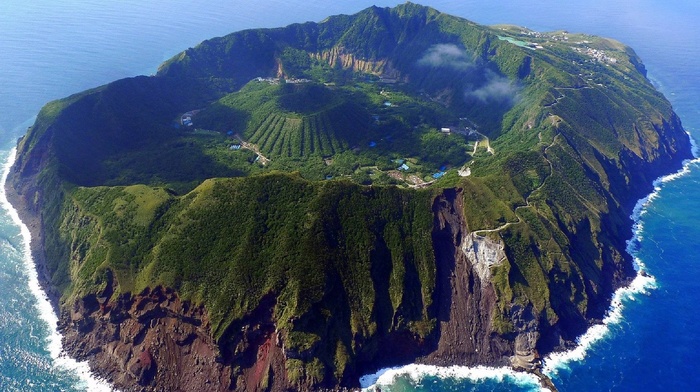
x=651 y=339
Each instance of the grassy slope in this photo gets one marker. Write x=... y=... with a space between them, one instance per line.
x=570 y=151
x=294 y=239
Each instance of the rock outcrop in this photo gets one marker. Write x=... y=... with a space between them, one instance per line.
x=148 y=341
x=465 y=301
x=306 y=285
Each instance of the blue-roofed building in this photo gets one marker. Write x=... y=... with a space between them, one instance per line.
x=403 y=167
x=372 y=144
x=438 y=175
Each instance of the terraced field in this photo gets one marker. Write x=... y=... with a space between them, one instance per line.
x=327 y=132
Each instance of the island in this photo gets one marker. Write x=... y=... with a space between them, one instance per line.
x=293 y=208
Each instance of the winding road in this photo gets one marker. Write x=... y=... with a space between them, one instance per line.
x=527 y=199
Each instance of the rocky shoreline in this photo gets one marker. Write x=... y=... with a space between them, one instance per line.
x=504 y=298
x=153 y=338
x=31 y=217
x=155 y=341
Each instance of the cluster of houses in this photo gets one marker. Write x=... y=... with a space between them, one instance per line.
x=278 y=80
x=403 y=166
x=598 y=55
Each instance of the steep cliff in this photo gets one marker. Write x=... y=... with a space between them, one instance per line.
x=389 y=187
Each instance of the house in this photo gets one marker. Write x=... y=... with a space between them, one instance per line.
x=446 y=130
x=403 y=167
x=235 y=147
x=438 y=175
x=372 y=144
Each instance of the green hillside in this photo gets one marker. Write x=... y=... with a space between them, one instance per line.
x=333 y=174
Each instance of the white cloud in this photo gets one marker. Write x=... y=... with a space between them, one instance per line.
x=496 y=89
x=446 y=55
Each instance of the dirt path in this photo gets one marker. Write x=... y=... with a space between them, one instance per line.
x=488 y=146
x=254 y=148
x=485 y=140
x=562 y=96
x=527 y=199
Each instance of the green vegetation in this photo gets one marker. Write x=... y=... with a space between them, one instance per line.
x=292 y=238
x=280 y=163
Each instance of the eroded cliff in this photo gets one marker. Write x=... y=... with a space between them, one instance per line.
x=180 y=262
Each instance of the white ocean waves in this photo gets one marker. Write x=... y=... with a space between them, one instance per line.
x=43 y=305
x=694 y=146
x=642 y=284
x=640 y=208
x=687 y=167
x=385 y=378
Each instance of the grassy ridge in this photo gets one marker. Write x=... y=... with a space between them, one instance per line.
x=293 y=238
x=574 y=140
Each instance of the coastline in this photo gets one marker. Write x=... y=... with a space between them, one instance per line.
x=32 y=221
x=594 y=333
x=39 y=285
x=552 y=363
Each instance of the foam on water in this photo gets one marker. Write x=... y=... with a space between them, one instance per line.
x=554 y=362
x=416 y=373
x=557 y=361
x=694 y=148
x=43 y=305
x=641 y=284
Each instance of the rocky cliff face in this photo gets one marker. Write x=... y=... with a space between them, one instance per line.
x=146 y=340
x=153 y=340
x=465 y=297
x=521 y=257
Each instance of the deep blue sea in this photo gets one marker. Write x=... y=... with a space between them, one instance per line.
x=651 y=342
